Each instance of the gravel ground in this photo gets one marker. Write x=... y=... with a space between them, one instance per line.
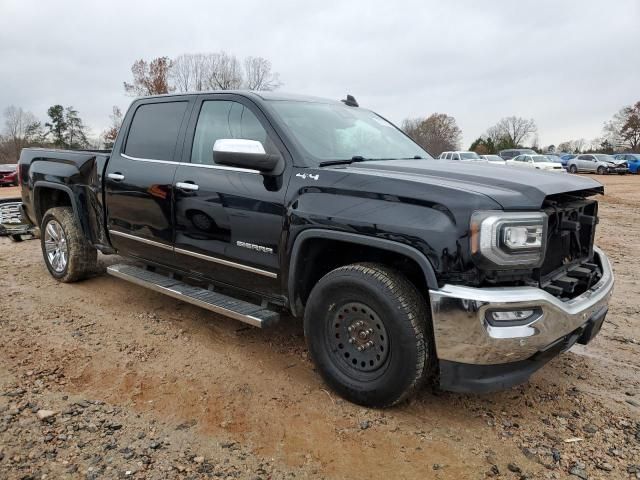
x=102 y=379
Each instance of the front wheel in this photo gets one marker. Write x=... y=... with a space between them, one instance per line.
x=602 y=170
x=573 y=169
x=67 y=253
x=369 y=333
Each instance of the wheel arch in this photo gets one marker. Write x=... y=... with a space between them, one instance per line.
x=314 y=243
x=48 y=195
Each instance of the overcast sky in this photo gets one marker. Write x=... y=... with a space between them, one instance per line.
x=568 y=64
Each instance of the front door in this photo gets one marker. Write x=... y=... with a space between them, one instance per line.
x=228 y=221
x=139 y=178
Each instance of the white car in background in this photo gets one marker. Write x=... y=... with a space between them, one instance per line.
x=462 y=156
x=540 y=162
x=495 y=159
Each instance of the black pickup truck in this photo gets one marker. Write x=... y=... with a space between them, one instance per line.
x=405 y=269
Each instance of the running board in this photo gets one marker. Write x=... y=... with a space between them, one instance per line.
x=216 y=302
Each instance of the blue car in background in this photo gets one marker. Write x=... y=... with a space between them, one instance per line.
x=632 y=159
x=568 y=156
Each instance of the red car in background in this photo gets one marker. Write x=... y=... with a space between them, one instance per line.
x=8 y=175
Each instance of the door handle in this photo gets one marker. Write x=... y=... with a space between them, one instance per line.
x=192 y=187
x=117 y=176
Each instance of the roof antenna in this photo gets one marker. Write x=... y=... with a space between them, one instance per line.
x=350 y=101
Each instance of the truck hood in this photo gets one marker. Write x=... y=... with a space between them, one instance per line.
x=513 y=188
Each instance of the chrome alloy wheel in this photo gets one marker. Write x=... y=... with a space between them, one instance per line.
x=55 y=244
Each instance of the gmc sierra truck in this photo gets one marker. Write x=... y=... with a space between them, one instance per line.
x=404 y=269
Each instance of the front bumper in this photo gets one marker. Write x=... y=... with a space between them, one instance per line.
x=618 y=169
x=464 y=336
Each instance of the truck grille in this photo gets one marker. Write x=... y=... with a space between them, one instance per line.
x=568 y=269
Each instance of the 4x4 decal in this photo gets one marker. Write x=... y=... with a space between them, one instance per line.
x=305 y=175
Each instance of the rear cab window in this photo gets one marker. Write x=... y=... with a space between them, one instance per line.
x=154 y=130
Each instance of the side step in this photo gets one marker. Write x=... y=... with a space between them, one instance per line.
x=216 y=302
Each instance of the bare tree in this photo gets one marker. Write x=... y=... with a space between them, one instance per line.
x=109 y=135
x=510 y=132
x=573 y=146
x=631 y=129
x=190 y=72
x=195 y=72
x=258 y=74
x=21 y=129
x=437 y=133
x=225 y=73
x=150 y=78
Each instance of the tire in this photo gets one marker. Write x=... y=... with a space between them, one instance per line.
x=80 y=258
x=573 y=169
x=15 y=238
x=389 y=320
x=601 y=171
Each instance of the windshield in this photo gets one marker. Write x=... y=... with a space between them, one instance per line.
x=469 y=156
x=328 y=131
x=539 y=158
x=605 y=158
x=494 y=158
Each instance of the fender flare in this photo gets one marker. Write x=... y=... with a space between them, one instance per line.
x=64 y=188
x=354 y=238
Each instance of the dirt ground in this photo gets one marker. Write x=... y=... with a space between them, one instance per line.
x=132 y=384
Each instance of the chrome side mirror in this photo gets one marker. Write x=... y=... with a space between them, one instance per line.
x=248 y=154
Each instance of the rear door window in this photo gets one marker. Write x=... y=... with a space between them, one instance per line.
x=154 y=130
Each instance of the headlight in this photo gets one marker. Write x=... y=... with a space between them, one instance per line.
x=508 y=240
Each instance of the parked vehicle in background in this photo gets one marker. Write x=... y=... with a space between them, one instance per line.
x=557 y=159
x=253 y=204
x=460 y=155
x=599 y=163
x=514 y=152
x=497 y=159
x=633 y=161
x=540 y=162
x=8 y=175
x=568 y=156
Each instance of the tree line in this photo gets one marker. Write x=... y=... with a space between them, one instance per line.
x=193 y=72
x=439 y=132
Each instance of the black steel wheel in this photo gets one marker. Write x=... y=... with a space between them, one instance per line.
x=369 y=334
x=358 y=338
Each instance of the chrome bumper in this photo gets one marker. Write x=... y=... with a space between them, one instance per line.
x=463 y=334
x=12 y=219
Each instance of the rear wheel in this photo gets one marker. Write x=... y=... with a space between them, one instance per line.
x=67 y=253
x=602 y=170
x=369 y=334
x=573 y=169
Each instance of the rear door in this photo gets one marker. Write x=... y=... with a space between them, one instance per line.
x=139 y=178
x=229 y=220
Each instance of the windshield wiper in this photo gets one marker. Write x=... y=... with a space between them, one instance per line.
x=355 y=158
